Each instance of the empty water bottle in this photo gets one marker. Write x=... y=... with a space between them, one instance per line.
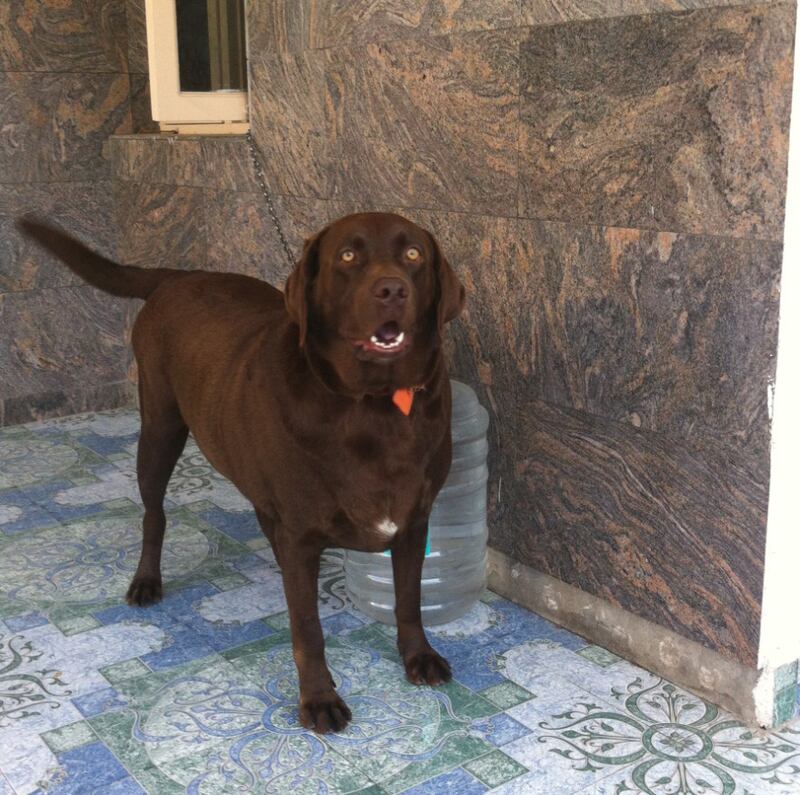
x=454 y=571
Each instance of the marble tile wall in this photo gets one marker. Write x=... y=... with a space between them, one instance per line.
x=141 y=117
x=296 y=25
x=64 y=90
x=608 y=179
x=668 y=121
x=193 y=202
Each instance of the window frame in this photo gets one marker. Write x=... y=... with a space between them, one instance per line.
x=171 y=107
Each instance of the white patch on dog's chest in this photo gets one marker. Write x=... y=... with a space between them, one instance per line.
x=386 y=527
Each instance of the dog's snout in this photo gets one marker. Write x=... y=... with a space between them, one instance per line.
x=390 y=291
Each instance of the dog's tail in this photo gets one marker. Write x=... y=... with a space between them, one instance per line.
x=127 y=281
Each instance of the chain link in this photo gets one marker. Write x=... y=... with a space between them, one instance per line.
x=257 y=157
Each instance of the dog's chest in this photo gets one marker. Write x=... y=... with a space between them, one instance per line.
x=380 y=483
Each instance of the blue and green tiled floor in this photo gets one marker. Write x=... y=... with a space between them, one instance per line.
x=197 y=694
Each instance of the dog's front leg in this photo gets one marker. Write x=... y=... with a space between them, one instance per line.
x=422 y=663
x=321 y=708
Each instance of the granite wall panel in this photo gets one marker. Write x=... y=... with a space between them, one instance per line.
x=289 y=122
x=673 y=535
x=160 y=225
x=222 y=162
x=343 y=22
x=676 y=122
x=543 y=12
x=278 y=26
x=62 y=339
x=63 y=36
x=64 y=89
x=196 y=199
x=427 y=123
x=141 y=112
x=665 y=332
x=242 y=237
x=294 y=25
x=228 y=164
x=86 y=209
x=55 y=124
x=137 y=36
x=159 y=160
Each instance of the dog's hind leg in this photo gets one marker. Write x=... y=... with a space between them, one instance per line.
x=161 y=443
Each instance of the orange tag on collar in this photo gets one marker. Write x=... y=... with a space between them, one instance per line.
x=403 y=399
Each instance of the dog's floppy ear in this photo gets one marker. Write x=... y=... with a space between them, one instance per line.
x=298 y=285
x=451 y=293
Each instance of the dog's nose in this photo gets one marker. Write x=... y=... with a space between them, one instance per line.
x=390 y=291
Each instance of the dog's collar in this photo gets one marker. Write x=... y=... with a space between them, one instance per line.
x=404 y=398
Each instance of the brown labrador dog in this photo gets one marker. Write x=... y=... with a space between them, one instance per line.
x=327 y=406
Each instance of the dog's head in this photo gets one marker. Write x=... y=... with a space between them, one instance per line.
x=372 y=293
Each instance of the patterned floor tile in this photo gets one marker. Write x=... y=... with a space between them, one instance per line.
x=548 y=773
x=198 y=694
x=124 y=786
x=240 y=526
x=500 y=729
x=182 y=645
x=536 y=782
x=89 y=768
x=25 y=621
x=91 y=560
x=99 y=701
x=553 y=693
x=507 y=695
x=495 y=768
x=19 y=513
x=111 y=447
x=664 y=739
x=455 y=782
x=27 y=763
x=27 y=459
x=599 y=656
x=78 y=623
x=122 y=672
x=115 y=423
x=70 y=736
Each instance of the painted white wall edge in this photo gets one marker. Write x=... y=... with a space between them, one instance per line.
x=780 y=623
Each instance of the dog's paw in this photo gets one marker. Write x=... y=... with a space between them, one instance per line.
x=428 y=668
x=144 y=591
x=325 y=713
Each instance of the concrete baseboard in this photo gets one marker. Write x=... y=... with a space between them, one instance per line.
x=747 y=693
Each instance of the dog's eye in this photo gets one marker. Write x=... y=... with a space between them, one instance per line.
x=348 y=255
x=413 y=253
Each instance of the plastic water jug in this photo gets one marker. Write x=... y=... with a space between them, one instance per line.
x=454 y=571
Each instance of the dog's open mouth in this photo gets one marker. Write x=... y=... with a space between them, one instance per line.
x=387 y=339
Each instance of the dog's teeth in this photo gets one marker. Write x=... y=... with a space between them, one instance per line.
x=387 y=346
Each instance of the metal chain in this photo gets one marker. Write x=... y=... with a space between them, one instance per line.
x=255 y=154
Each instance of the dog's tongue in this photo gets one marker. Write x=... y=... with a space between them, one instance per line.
x=388 y=332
